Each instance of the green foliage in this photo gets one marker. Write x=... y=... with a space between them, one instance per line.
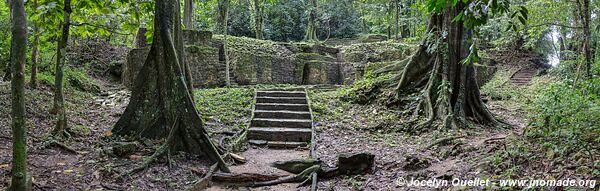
x=77 y=78
x=500 y=87
x=5 y=33
x=284 y=20
x=567 y=117
x=227 y=107
x=338 y=19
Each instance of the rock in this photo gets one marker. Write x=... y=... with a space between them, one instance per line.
x=355 y=163
x=124 y=149
x=296 y=166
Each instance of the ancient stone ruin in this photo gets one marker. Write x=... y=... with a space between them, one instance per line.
x=266 y=62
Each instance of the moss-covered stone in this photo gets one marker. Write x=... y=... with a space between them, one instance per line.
x=255 y=61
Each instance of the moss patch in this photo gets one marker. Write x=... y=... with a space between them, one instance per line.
x=225 y=108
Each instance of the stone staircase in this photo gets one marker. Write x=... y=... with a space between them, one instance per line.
x=523 y=76
x=282 y=119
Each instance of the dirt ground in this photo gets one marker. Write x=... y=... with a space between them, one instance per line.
x=341 y=127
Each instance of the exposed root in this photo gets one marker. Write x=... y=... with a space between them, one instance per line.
x=304 y=176
x=164 y=149
x=160 y=152
x=54 y=142
x=443 y=141
x=205 y=181
x=243 y=177
x=65 y=147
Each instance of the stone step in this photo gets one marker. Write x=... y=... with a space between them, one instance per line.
x=279 y=144
x=289 y=123
x=262 y=93
x=298 y=100
x=281 y=106
x=280 y=134
x=282 y=114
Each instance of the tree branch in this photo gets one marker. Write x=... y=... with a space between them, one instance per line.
x=553 y=24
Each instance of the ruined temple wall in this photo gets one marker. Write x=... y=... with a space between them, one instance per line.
x=265 y=62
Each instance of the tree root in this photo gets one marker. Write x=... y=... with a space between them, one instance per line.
x=55 y=143
x=303 y=177
x=243 y=177
x=205 y=181
x=161 y=151
x=443 y=140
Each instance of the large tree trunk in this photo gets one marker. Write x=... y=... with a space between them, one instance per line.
x=61 y=53
x=311 y=28
x=188 y=14
x=223 y=6
x=34 y=50
x=21 y=180
x=258 y=19
x=161 y=105
x=450 y=93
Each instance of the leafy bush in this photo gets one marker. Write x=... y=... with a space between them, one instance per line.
x=567 y=117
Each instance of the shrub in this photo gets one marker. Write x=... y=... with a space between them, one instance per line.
x=567 y=117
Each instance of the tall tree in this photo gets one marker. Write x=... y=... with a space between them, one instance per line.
x=21 y=179
x=61 y=53
x=396 y=18
x=223 y=6
x=258 y=18
x=442 y=70
x=161 y=105
x=188 y=14
x=34 y=49
x=585 y=15
x=311 y=28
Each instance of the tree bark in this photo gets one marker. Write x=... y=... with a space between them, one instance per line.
x=223 y=6
x=311 y=28
x=258 y=19
x=161 y=104
x=59 y=99
x=188 y=14
x=450 y=94
x=21 y=180
x=140 y=38
x=585 y=19
x=397 y=18
x=34 y=50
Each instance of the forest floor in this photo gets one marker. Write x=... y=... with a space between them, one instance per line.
x=475 y=152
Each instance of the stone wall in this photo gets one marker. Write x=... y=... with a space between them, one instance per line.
x=266 y=62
